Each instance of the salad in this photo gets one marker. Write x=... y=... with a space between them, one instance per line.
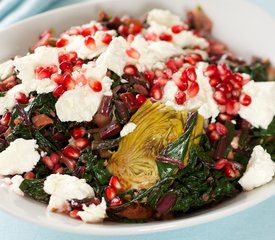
x=135 y=119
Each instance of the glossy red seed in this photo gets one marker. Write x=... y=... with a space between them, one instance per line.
x=224 y=117
x=213 y=136
x=58 y=78
x=135 y=28
x=68 y=81
x=72 y=56
x=66 y=67
x=21 y=98
x=214 y=81
x=29 y=175
x=71 y=152
x=123 y=30
x=156 y=93
x=211 y=71
x=177 y=28
x=107 y=38
x=165 y=37
x=149 y=75
x=180 y=97
x=55 y=158
x=150 y=37
x=221 y=129
x=48 y=162
x=211 y=127
x=41 y=73
x=73 y=214
x=9 y=83
x=193 y=90
x=245 y=100
x=95 y=85
x=110 y=193
x=114 y=182
x=81 y=80
x=59 y=91
x=223 y=70
x=219 y=97
x=171 y=64
x=236 y=93
x=61 y=42
x=78 y=132
x=229 y=171
x=90 y=43
x=70 y=163
x=181 y=84
x=130 y=70
x=58 y=169
x=132 y=53
x=191 y=74
x=220 y=164
x=81 y=143
x=141 y=98
x=5 y=119
x=232 y=107
x=160 y=82
x=116 y=201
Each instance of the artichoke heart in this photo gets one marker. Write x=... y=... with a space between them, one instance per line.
x=134 y=162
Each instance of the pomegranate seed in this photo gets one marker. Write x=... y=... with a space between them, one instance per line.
x=59 y=91
x=238 y=77
x=165 y=37
x=78 y=62
x=110 y=192
x=161 y=82
x=71 y=152
x=81 y=80
x=132 y=53
x=55 y=158
x=29 y=175
x=61 y=42
x=58 y=78
x=66 y=67
x=224 y=117
x=180 y=97
x=81 y=143
x=130 y=38
x=229 y=171
x=178 y=61
x=68 y=81
x=219 y=97
x=114 y=182
x=150 y=37
x=191 y=74
x=41 y=73
x=193 y=89
x=58 y=169
x=213 y=136
x=48 y=162
x=5 y=119
x=141 y=98
x=181 y=83
x=214 y=81
x=220 y=164
x=130 y=70
x=95 y=85
x=156 y=93
x=72 y=56
x=223 y=70
x=221 y=129
x=70 y=163
x=21 y=98
x=149 y=75
x=168 y=73
x=177 y=29
x=90 y=43
x=211 y=71
x=78 y=132
x=211 y=127
x=171 y=64
x=107 y=38
x=232 y=107
x=245 y=100
x=236 y=93
x=73 y=214
x=116 y=201
x=222 y=87
x=160 y=74
x=123 y=30
x=135 y=27
x=9 y=83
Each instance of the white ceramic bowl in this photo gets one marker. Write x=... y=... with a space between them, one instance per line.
x=245 y=28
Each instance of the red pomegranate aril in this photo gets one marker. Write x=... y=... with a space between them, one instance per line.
x=55 y=158
x=149 y=75
x=211 y=71
x=78 y=132
x=58 y=78
x=160 y=74
x=156 y=93
x=110 y=193
x=70 y=163
x=21 y=98
x=90 y=43
x=171 y=64
x=81 y=80
x=81 y=143
x=150 y=37
x=166 y=37
x=177 y=28
x=41 y=73
x=95 y=85
x=245 y=100
x=9 y=83
x=48 y=162
x=73 y=214
x=61 y=42
x=224 y=117
x=58 y=169
x=59 y=91
x=72 y=56
x=66 y=67
x=219 y=97
x=211 y=127
x=180 y=97
x=71 y=152
x=191 y=74
x=238 y=77
x=68 y=81
x=181 y=84
x=214 y=81
x=220 y=164
x=221 y=129
x=229 y=87
x=229 y=171
x=130 y=101
x=29 y=175
x=130 y=70
x=107 y=38
x=213 y=136
x=116 y=201
x=222 y=88
x=223 y=70
x=193 y=90
x=5 y=119
x=236 y=93
x=141 y=98
x=161 y=82
x=232 y=107
x=114 y=182
x=132 y=53
x=123 y=30
x=135 y=26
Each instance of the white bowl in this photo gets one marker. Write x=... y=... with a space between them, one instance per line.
x=245 y=28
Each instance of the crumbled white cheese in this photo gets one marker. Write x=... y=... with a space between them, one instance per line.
x=128 y=128
x=15 y=184
x=81 y=104
x=188 y=39
x=6 y=69
x=260 y=169
x=162 y=17
x=63 y=188
x=77 y=44
x=93 y=213
x=19 y=157
x=262 y=108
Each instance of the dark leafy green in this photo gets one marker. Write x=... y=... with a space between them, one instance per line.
x=257 y=70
